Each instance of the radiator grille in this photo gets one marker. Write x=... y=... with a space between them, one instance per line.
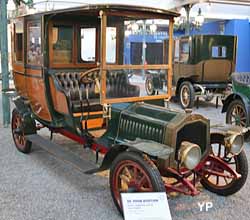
x=195 y=132
x=132 y=129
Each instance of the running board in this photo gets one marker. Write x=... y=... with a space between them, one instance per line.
x=60 y=153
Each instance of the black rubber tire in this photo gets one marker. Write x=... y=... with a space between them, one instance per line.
x=231 y=107
x=241 y=168
x=28 y=144
x=151 y=171
x=191 y=92
x=150 y=80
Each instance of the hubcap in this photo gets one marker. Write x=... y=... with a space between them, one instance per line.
x=185 y=96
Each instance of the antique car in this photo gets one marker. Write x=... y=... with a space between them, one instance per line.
x=203 y=65
x=236 y=105
x=70 y=77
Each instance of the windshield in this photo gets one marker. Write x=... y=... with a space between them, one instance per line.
x=136 y=65
x=130 y=51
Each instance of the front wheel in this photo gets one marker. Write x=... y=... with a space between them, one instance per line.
x=220 y=180
x=129 y=173
x=186 y=95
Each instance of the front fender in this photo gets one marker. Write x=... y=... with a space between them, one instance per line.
x=29 y=125
x=154 y=149
x=227 y=130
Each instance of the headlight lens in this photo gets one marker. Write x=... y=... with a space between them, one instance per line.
x=235 y=143
x=190 y=155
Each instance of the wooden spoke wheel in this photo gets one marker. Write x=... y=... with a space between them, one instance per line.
x=20 y=141
x=131 y=173
x=186 y=95
x=220 y=180
x=236 y=114
x=150 y=86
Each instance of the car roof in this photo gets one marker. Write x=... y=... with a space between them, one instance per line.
x=112 y=7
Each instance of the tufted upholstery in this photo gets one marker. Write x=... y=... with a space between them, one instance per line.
x=117 y=87
x=241 y=78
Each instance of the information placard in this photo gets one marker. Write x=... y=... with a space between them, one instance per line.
x=146 y=206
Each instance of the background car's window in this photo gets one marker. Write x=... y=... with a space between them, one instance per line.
x=62 y=44
x=184 y=53
x=88 y=44
x=219 y=52
x=111 y=45
x=18 y=42
x=34 y=56
x=177 y=50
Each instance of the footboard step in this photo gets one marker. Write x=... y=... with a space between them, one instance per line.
x=60 y=153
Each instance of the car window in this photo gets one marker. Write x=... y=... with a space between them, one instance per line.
x=62 y=44
x=177 y=50
x=88 y=44
x=184 y=51
x=111 y=45
x=34 y=55
x=219 y=51
x=18 y=41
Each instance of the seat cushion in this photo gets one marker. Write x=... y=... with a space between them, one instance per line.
x=94 y=106
x=241 y=78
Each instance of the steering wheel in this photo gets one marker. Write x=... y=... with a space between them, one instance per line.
x=86 y=78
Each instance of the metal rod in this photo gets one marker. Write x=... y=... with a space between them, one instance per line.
x=4 y=62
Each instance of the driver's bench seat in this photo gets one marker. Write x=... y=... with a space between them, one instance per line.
x=70 y=83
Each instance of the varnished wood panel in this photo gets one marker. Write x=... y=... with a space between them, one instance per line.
x=217 y=70
x=37 y=98
x=93 y=123
x=19 y=81
x=58 y=98
x=34 y=72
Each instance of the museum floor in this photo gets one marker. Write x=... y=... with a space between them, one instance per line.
x=39 y=186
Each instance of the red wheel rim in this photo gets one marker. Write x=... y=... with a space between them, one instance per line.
x=19 y=138
x=129 y=176
x=219 y=182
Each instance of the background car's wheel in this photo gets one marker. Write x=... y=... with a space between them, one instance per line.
x=20 y=141
x=186 y=95
x=222 y=185
x=236 y=113
x=130 y=172
x=150 y=86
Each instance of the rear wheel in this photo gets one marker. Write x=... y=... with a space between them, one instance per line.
x=236 y=113
x=186 y=95
x=22 y=144
x=224 y=184
x=129 y=173
x=150 y=86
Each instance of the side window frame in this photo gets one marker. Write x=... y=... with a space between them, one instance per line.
x=18 y=62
